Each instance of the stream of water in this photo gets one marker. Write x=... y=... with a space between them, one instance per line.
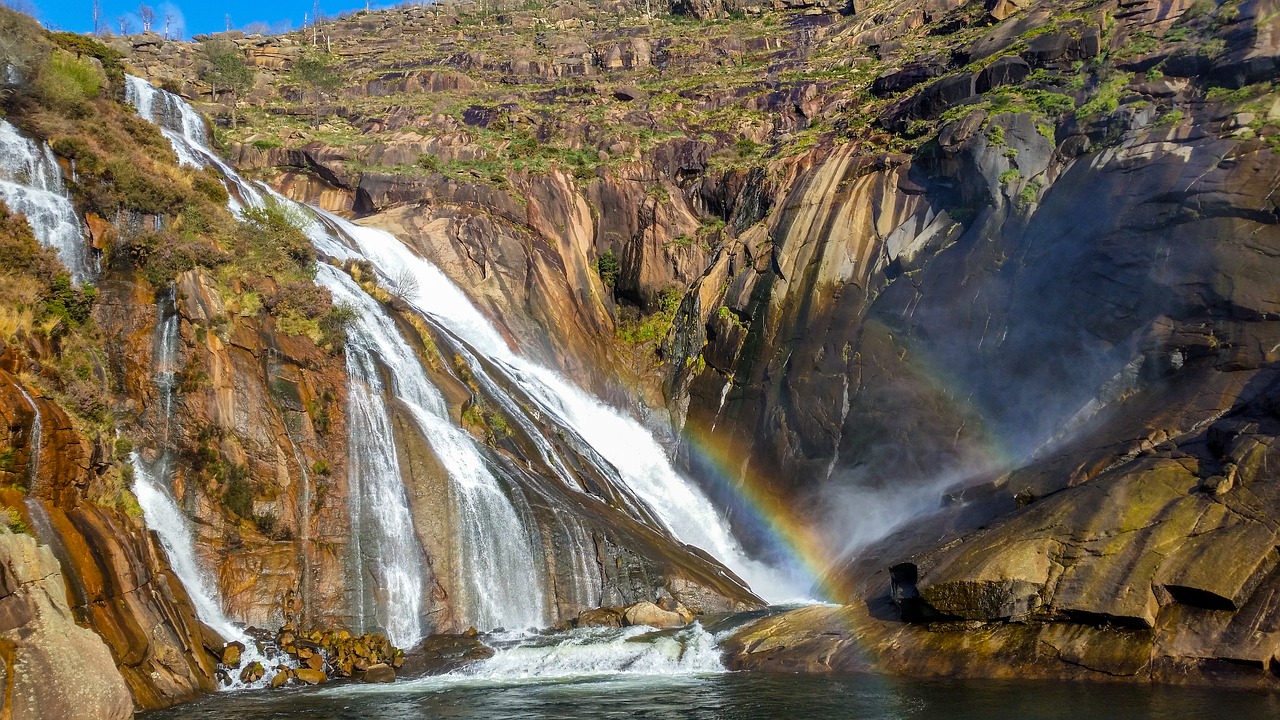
x=503 y=554
x=737 y=696
x=31 y=185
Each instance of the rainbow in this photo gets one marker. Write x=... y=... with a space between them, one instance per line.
x=721 y=461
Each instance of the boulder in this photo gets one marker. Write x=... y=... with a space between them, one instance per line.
x=252 y=672
x=911 y=74
x=646 y=613
x=309 y=676
x=1008 y=70
x=281 y=677
x=600 y=617
x=231 y=654
x=380 y=673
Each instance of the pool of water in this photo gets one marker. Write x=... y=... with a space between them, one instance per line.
x=730 y=696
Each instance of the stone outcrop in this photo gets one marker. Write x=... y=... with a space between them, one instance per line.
x=51 y=666
x=1050 y=326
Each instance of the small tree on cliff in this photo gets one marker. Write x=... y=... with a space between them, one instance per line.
x=222 y=66
x=316 y=71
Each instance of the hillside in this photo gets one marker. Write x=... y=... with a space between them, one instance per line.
x=982 y=293
x=1014 y=253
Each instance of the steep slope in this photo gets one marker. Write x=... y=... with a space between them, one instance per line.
x=1016 y=251
x=166 y=336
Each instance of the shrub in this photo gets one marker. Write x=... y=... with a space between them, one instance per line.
x=608 y=267
x=67 y=83
x=238 y=496
x=85 y=46
x=1107 y=98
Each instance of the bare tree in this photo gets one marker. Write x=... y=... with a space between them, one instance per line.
x=168 y=24
x=404 y=284
x=147 y=15
x=125 y=24
x=97 y=18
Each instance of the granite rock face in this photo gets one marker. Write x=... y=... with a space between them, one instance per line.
x=51 y=666
x=1046 y=336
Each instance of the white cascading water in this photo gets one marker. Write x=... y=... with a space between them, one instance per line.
x=185 y=129
x=620 y=440
x=507 y=585
x=160 y=510
x=162 y=514
x=502 y=585
x=588 y=652
x=31 y=185
x=35 y=440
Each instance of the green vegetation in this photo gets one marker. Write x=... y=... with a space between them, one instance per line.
x=222 y=66
x=1029 y=194
x=1106 y=98
x=317 y=72
x=67 y=83
x=608 y=267
x=653 y=327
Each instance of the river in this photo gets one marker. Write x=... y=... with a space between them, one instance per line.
x=731 y=695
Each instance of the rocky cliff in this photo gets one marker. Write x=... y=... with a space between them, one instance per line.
x=999 y=270
x=1002 y=262
x=200 y=353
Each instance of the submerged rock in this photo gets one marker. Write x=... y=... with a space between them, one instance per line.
x=440 y=654
x=600 y=617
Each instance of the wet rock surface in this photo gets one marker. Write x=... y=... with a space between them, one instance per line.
x=1054 y=317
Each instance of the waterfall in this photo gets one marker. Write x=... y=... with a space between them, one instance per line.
x=628 y=448
x=37 y=431
x=31 y=185
x=186 y=131
x=160 y=511
x=501 y=585
x=501 y=553
x=163 y=515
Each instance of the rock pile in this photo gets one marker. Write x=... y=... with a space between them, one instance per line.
x=311 y=658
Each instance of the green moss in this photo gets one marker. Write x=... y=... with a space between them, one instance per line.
x=1173 y=117
x=1009 y=176
x=238 y=495
x=1106 y=99
x=653 y=327
x=1029 y=194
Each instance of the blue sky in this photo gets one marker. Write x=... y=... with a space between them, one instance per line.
x=193 y=16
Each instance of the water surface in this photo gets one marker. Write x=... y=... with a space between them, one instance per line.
x=732 y=696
